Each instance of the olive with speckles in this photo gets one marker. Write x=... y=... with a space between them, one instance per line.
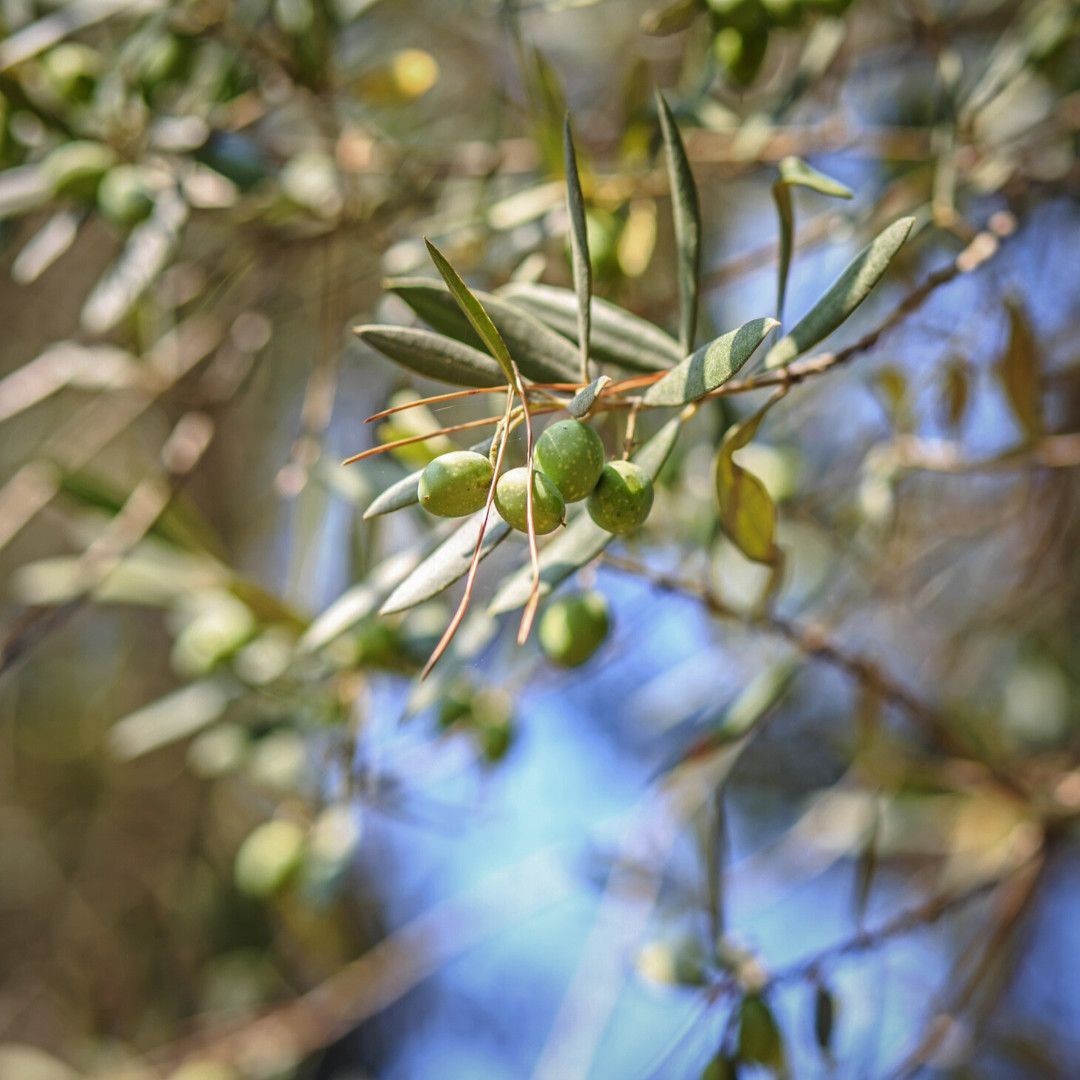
x=571 y=454
x=511 y=500
x=455 y=484
x=622 y=498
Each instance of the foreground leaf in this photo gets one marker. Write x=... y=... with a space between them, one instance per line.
x=710 y=367
x=434 y=356
x=845 y=294
x=582 y=540
x=687 y=214
x=579 y=245
x=448 y=563
x=541 y=354
x=617 y=336
x=747 y=513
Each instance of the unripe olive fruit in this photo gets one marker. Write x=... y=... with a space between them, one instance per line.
x=622 y=498
x=123 y=195
x=511 y=500
x=76 y=168
x=455 y=484
x=573 y=627
x=571 y=454
x=71 y=70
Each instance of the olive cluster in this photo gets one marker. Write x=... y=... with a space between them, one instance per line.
x=569 y=465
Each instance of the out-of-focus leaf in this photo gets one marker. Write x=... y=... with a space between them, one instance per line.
x=404 y=492
x=747 y=513
x=169 y=719
x=1018 y=369
x=46 y=246
x=794 y=172
x=760 y=1041
x=448 y=563
x=955 y=391
x=687 y=215
x=582 y=540
x=579 y=245
x=710 y=366
x=845 y=294
x=617 y=336
x=432 y=355
x=824 y=1017
x=585 y=398
x=721 y=1068
x=670 y=17
x=541 y=353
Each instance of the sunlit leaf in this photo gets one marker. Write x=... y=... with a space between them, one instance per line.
x=794 y=172
x=684 y=201
x=448 y=563
x=582 y=540
x=845 y=294
x=541 y=354
x=617 y=336
x=585 y=398
x=1018 y=369
x=404 y=492
x=169 y=719
x=710 y=366
x=579 y=245
x=432 y=355
x=747 y=512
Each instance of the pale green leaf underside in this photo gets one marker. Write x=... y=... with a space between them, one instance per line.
x=710 y=366
x=448 y=563
x=585 y=398
x=432 y=355
x=541 y=354
x=845 y=294
x=794 y=172
x=617 y=337
x=582 y=540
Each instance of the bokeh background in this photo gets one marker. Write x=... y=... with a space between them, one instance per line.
x=238 y=838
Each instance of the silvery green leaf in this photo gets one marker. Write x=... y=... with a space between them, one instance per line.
x=617 y=336
x=169 y=719
x=448 y=563
x=585 y=398
x=541 y=354
x=432 y=355
x=582 y=540
x=579 y=245
x=710 y=366
x=845 y=294
x=687 y=214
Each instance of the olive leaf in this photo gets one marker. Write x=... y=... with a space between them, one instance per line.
x=1018 y=369
x=663 y=19
x=448 y=563
x=710 y=366
x=794 y=172
x=687 y=215
x=747 y=513
x=583 y=401
x=176 y=716
x=845 y=294
x=824 y=1017
x=582 y=540
x=760 y=1041
x=579 y=245
x=617 y=336
x=541 y=354
x=432 y=355
x=405 y=492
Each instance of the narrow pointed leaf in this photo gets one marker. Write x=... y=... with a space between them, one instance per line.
x=794 y=172
x=448 y=563
x=579 y=245
x=582 y=540
x=1018 y=371
x=617 y=336
x=474 y=312
x=824 y=1017
x=687 y=214
x=760 y=1041
x=710 y=367
x=405 y=492
x=434 y=356
x=586 y=397
x=670 y=17
x=845 y=294
x=747 y=513
x=176 y=716
x=541 y=354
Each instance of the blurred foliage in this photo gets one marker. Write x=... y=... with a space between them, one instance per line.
x=213 y=633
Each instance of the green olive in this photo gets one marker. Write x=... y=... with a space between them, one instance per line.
x=511 y=500
x=72 y=70
x=76 y=168
x=571 y=454
x=268 y=858
x=123 y=195
x=455 y=484
x=622 y=498
x=573 y=627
